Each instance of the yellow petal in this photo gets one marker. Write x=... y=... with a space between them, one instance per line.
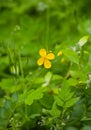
x=59 y=53
x=47 y=64
x=42 y=52
x=50 y=56
x=40 y=61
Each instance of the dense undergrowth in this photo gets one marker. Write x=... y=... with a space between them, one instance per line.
x=45 y=64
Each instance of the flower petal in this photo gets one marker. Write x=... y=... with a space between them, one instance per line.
x=42 y=52
x=40 y=61
x=50 y=56
x=47 y=64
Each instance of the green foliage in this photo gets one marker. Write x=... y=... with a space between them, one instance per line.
x=65 y=97
x=33 y=97
x=71 y=55
x=83 y=40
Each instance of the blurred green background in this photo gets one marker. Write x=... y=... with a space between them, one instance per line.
x=28 y=25
x=32 y=21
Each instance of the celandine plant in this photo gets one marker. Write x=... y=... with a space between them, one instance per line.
x=55 y=96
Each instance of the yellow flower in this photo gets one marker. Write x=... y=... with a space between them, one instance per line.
x=45 y=58
x=59 y=53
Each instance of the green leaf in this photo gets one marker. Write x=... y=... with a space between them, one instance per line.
x=54 y=111
x=59 y=101
x=72 y=55
x=65 y=97
x=34 y=95
x=47 y=100
x=71 y=128
x=10 y=85
x=48 y=77
x=72 y=82
x=86 y=128
x=71 y=102
x=35 y=110
x=83 y=41
x=65 y=92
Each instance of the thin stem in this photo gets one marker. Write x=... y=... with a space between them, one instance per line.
x=10 y=54
x=81 y=57
x=21 y=68
x=24 y=85
x=47 y=25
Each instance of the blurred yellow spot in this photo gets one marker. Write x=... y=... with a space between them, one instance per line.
x=45 y=58
x=62 y=60
x=59 y=53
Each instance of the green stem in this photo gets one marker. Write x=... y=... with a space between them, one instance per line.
x=21 y=68
x=47 y=25
x=10 y=54
x=24 y=85
x=62 y=114
x=80 y=59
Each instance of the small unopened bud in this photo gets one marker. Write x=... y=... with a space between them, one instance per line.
x=59 y=53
